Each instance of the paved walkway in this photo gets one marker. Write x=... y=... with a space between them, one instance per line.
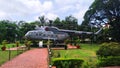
x=36 y=58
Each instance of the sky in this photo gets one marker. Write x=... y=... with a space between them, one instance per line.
x=30 y=10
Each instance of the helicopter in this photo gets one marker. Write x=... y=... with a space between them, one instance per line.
x=52 y=33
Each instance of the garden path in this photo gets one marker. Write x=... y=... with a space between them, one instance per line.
x=35 y=58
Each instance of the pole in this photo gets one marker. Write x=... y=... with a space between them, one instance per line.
x=9 y=53
x=91 y=36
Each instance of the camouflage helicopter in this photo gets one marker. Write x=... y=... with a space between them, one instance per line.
x=53 y=33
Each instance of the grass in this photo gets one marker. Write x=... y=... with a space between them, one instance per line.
x=11 y=45
x=4 y=55
x=87 y=53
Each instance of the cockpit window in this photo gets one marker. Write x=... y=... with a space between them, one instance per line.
x=40 y=34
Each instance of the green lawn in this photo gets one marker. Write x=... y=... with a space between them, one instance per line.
x=87 y=53
x=4 y=55
x=11 y=45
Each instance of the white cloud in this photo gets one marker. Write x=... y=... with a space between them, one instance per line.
x=2 y=14
x=23 y=8
x=31 y=6
x=19 y=7
x=32 y=9
x=51 y=16
x=81 y=8
x=65 y=2
x=76 y=8
x=64 y=10
x=79 y=15
x=47 y=6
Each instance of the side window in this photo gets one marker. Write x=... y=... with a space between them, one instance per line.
x=40 y=34
x=36 y=34
x=51 y=35
x=43 y=34
x=48 y=35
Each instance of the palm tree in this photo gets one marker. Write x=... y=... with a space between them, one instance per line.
x=42 y=20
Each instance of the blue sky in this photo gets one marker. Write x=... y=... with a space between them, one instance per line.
x=30 y=10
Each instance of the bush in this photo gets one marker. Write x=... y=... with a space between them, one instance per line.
x=109 y=54
x=90 y=62
x=17 y=43
x=67 y=41
x=110 y=61
x=55 y=54
x=109 y=49
x=67 y=63
x=27 y=44
x=4 y=42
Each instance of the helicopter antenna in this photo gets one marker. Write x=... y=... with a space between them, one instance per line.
x=37 y=27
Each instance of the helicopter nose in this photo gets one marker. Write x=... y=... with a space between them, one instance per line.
x=27 y=35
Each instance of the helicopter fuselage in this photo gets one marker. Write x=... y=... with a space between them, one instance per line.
x=45 y=33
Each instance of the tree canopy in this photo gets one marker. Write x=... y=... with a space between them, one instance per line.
x=13 y=30
x=8 y=30
x=103 y=12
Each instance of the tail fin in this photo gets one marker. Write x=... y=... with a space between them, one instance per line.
x=98 y=31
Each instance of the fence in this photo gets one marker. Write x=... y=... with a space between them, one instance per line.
x=10 y=53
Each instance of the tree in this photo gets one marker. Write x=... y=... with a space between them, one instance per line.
x=57 y=23
x=42 y=20
x=2 y=31
x=8 y=30
x=71 y=23
x=102 y=12
x=26 y=27
x=11 y=33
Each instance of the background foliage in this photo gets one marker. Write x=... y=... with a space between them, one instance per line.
x=109 y=54
x=13 y=30
x=104 y=12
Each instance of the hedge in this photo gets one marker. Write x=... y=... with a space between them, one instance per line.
x=109 y=49
x=109 y=61
x=67 y=63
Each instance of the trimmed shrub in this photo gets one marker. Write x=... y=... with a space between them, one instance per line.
x=109 y=54
x=67 y=63
x=55 y=54
x=109 y=49
x=110 y=61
